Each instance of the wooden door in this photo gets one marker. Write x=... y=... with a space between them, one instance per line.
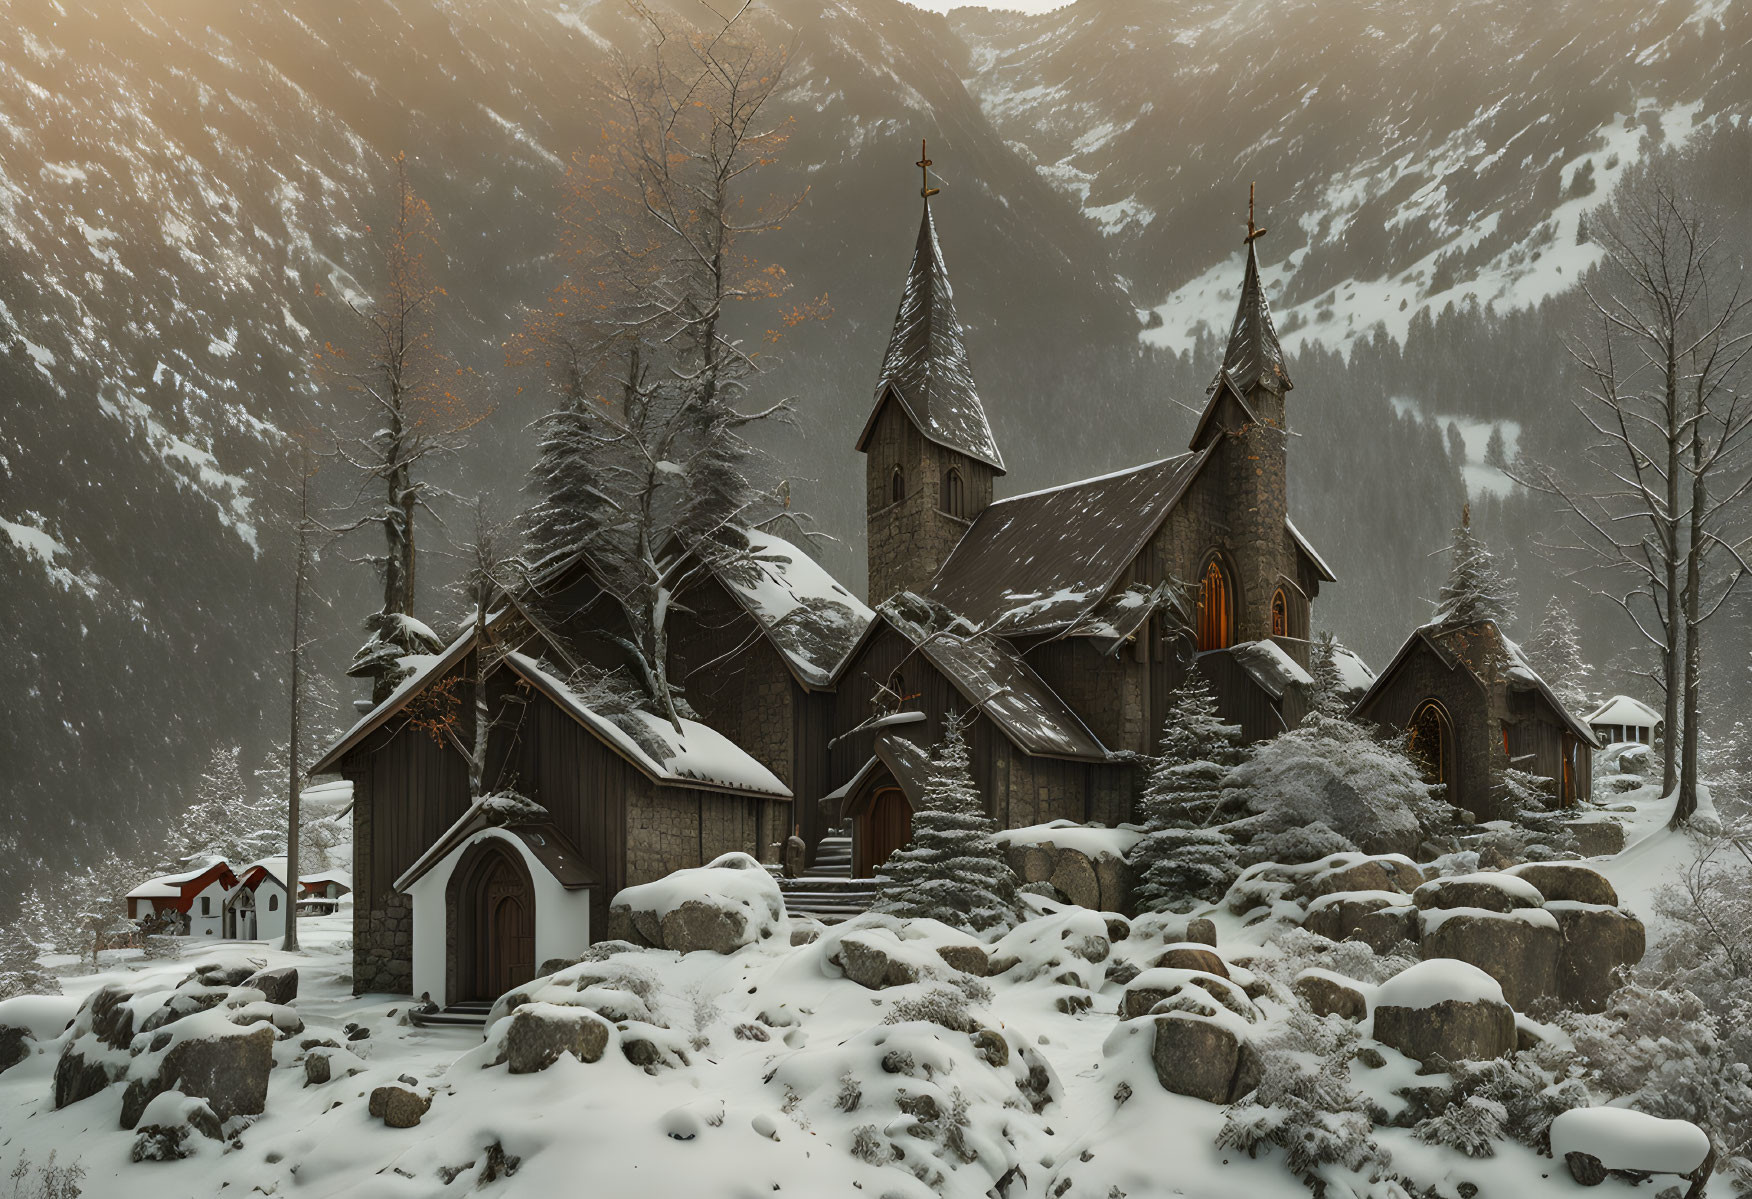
x=888 y=826
x=493 y=906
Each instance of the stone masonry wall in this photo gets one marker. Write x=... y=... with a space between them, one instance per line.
x=1478 y=744
x=383 y=920
x=909 y=540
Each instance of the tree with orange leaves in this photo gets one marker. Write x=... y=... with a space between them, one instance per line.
x=646 y=469
x=415 y=407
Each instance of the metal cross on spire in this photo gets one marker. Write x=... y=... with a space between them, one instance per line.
x=924 y=165
x=1254 y=233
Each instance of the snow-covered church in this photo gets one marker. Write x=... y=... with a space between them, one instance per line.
x=1061 y=620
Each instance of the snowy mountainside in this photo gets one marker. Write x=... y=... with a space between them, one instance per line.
x=1405 y=154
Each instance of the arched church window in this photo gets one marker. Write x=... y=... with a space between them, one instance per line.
x=954 y=496
x=273 y=903
x=897 y=486
x=1280 y=614
x=1216 y=622
x=1429 y=741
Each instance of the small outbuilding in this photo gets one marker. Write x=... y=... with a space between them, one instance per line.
x=1622 y=718
x=255 y=910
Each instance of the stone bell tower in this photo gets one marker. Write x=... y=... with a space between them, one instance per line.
x=929 y=454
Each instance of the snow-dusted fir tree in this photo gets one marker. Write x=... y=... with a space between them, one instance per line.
x=1179 y=861
x=1476 y=588
x=953 y=869
x=1556 y=651
x=1329 y=694
x=21 y=944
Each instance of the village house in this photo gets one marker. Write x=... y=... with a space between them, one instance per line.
x=189 y=903
x=1622 y=718
x=1057 y=624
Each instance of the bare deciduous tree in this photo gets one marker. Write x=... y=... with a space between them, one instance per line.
x=645 y=465
x=1664 y=499
x=415 y=408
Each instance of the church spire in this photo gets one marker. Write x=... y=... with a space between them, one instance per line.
x=926 y=366
x=1253 y=357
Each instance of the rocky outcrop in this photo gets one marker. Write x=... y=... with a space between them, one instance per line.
x=1101 y=882
x=1442 y=1012
x=1519 y=949
x=1204 y=1058
x=1597 y=941
x=228 y=1070
x=868 y=964
x=539 y=1034
x=169 y=1125
x=969 y=958
x=1567 y=881
x=1379 y=919
x=1190 y=956
x=1382 y=873
x=1490 y=891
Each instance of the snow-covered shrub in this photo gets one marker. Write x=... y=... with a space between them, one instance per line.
x=21 y=973
x=1307 y=1106
x=1299 y=950
x=1531 y=827
x=1503 y=1099
x=1662 y=1050
x=1296 y=845
x=1334 y=772
x=953 y=870
x=944 y=1006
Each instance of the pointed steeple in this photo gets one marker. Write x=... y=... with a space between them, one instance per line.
x=1253 y=357
x=926 y=366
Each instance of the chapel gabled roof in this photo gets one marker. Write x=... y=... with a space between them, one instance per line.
x=1253 y=357
x=926 y=367
x=1042 y=562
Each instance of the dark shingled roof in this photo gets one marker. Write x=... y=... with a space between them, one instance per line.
x=926 y=366
x=1253 y=358
x=991 y=675
x=1041 y=562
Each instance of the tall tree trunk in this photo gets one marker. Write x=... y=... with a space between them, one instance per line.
x=1671 y=668
x=477 y=759
x=1686 y=804
x=300 y=573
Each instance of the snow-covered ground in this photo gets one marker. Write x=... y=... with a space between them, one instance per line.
x=790 y=1068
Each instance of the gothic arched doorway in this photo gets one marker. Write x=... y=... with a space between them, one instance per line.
x=491 y=914
x=1429 y=740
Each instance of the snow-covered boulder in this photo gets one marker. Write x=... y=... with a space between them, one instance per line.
x=208 y=1057
x=279 y=985
x=1379 y=919
x=730 y=902
x=1207 y=1058
x=1443 y=1010
x=1168 y=989
x=1490 y=890
x=169 y=1125
x=27 y=1021
x=539 y=1034
x=1330 y=994
x=1187 y=955
x=1594 y=1140
x=1084 y=863
x=1567 y=881
x=1597 y=940
x=95 y=1053
x=1360 y=872
x=1520 y=949
x=397 y=1106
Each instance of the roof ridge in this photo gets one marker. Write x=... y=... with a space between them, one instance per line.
x=1109 y=476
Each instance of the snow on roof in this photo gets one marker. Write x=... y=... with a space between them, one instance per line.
x=926 y=366
x=274 y=868
x=1307 y=547
x=1039 y=562
x=697 y=754
x=1353 y=672
x=1436 y=981
x=169 y=886
x=812 y=620
x=1624 y=1139
x=993 y=677
x=1270 y=667
x=1623 y=710
x=324 y=877
x=422 y=667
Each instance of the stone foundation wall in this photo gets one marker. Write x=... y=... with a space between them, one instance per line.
x=383 y=921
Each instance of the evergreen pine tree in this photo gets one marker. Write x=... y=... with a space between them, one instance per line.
x=1329 y=695
x=20 y=971
x=1476 y=588
x=1496 y=450
x=953 y=870
x=1179 y=862
x=1556 y=651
